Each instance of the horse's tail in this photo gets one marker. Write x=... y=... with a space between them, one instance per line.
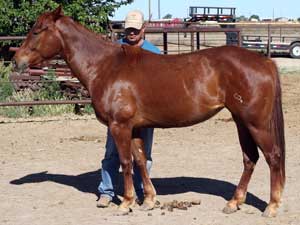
x=277 y=125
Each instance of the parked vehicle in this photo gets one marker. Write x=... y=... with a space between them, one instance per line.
x=278 y=44
x=219 y=14
x=284 y=38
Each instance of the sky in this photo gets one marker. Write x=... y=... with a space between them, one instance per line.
x=179 y=8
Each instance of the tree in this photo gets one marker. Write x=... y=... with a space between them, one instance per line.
x=298 y=19
x=241 y=18
x=17 y=16
x=254 y=17
x=168 y=16
x=20 y=14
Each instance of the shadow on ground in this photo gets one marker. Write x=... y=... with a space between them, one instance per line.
x=88 y=183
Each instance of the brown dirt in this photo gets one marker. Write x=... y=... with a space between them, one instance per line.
x=50 y=171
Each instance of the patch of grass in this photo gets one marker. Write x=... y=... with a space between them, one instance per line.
x=6 y=88
x=26 y=111
x=88 y=109
x=49 y=91
x=288 y=70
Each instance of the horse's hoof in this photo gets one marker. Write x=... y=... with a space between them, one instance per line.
x=122 y=211
x=147 y=205
x=269 y=212
x=229 y=210
x=125 y=209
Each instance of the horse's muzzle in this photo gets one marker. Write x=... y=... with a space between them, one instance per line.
x=19 y=65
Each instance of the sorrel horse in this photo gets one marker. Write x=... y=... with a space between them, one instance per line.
x=131 y=88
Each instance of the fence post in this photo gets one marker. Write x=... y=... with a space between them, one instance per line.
x=198 y=40
x=240 y=41
x=269 y=41
x=165 y=40
x=178 y=42
x=192 y=42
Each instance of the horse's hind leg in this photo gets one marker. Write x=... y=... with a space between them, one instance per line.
x=250 y=157
x=140 y=160
x=275 y=159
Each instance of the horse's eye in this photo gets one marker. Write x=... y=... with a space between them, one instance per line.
x=37 y=31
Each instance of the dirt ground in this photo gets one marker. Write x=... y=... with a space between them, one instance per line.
x=50 y=170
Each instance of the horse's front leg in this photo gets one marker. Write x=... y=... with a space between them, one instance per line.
x=138 y=151
x=122 y=135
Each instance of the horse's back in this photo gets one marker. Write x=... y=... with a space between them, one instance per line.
x=179 y=90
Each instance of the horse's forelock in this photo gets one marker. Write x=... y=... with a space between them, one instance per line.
x=46 y=19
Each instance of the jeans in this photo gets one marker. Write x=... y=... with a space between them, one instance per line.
x=111 y=165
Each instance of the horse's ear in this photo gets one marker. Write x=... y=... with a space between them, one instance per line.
x=58 y=12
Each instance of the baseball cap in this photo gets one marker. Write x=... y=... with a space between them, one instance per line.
x=134 y=19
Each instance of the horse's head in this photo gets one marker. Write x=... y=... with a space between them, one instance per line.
x=42 y=42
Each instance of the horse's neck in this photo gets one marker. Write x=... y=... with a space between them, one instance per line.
x=83 y=51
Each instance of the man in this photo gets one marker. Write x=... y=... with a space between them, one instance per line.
x=134 y=32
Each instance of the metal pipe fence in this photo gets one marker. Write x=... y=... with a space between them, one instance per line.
x=46 y=102
x=186 y=37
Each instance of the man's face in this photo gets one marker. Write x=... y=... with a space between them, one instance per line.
x=133 y=35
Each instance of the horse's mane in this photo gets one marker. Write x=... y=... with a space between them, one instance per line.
x=94 y=42
x=88 y=35
x=131 y=50
x=135 y=54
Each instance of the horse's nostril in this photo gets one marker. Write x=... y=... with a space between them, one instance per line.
x=14 y=63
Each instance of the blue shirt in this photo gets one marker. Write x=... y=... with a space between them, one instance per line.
x=146 y=46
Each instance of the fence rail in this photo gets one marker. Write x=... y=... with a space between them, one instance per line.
x=191 y=43
x=46 y=102
x=11 y=38
x=33 y=76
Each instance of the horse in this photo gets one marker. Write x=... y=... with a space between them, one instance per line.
x=131 y=88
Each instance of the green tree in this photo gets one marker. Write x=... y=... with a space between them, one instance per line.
x=255 y=17
x=168 y=16
x=298 y=19
x=242 y=18
x=17 y=16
